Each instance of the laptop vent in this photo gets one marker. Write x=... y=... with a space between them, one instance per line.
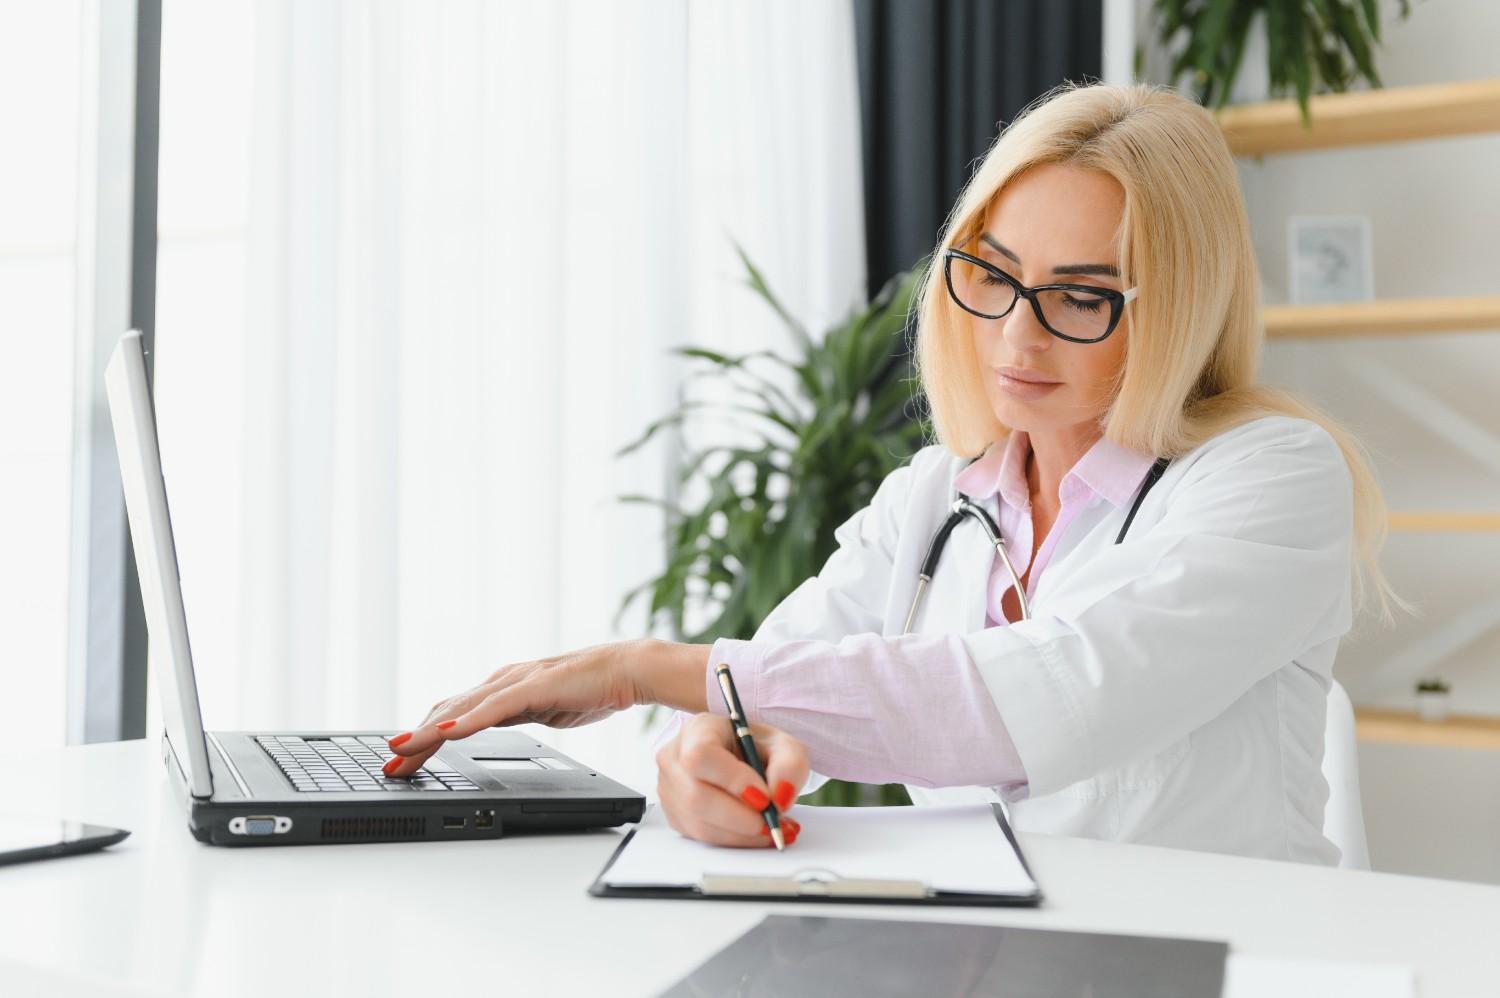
x=367 y=829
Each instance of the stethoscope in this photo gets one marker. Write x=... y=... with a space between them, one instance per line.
x=963 y=506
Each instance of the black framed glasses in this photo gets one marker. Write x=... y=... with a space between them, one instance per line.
x=1078 y=313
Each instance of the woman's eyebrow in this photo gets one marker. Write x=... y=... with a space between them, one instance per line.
x=1096 y=269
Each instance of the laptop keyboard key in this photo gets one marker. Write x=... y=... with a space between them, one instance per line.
x=346 y=764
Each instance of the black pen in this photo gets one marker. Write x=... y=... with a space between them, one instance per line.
x=747 y=746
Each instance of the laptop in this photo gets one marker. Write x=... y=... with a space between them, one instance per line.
x=244 y=788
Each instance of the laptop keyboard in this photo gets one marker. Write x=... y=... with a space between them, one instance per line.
x=345 y=763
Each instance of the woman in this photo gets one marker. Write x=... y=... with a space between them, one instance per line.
x=1166 y=687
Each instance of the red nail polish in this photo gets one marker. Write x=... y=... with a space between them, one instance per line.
x=785 y=793
x=789 y=835
x=390 y=765
x=792 y=825
x=399 y=740
x=756 y=799
x=445 y=725
x=765 y=831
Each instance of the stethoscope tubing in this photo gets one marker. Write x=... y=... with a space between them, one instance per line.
x=963 y=507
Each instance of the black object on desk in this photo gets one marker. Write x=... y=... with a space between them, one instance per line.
x=792 y=956
x=24 y=838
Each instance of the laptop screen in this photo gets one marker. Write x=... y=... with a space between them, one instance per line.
x=131 y=412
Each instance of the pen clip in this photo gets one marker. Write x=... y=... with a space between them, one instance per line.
x=731 y=698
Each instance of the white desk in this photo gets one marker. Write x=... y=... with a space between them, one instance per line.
x=161 y=914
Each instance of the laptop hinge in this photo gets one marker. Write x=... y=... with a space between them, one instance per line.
x=229 y=763
x=169 y=755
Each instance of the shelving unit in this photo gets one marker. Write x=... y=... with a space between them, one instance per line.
x=1373 y=724
x=1366 y=117
x=1370 y=117
x=1391 y=317
x=1340 y=121
x=1446 y=523
x=1395 y=114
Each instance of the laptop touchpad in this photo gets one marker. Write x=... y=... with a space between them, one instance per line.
x=494 y=764
x=514 y=764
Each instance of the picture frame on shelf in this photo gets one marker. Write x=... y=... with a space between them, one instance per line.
x=1329 y=259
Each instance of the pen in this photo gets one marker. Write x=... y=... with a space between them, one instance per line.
x=747 y=746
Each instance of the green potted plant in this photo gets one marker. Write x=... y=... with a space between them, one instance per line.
x=822 y=447
x=1432 y=699
x=1310 y=45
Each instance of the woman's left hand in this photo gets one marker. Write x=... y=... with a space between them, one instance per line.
x=562 y=691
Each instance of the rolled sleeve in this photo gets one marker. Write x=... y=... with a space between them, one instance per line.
x=744 y=660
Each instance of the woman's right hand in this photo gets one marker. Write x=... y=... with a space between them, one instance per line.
x=708 y=792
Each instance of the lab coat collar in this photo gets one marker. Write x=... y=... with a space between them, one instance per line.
x=1106 y=469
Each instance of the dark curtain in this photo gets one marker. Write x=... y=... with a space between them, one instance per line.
x=936 y=80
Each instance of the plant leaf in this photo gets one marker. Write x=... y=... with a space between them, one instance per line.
x=1239 y=30
x=1354 y=37
x=1372 y=17
x=758 y=284
x=671 y=419
x=1299 y=58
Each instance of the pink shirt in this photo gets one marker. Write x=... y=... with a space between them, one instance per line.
x=1106 y=470
x=857 y=713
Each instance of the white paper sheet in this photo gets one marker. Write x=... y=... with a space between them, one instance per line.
x=953 y=848
x=1247 y=976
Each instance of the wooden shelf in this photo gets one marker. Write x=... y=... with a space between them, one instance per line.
x=1387 y=317
x=1364 y=117
x=1456 y=731
x=1445 y=523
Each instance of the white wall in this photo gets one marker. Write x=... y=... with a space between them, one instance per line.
x=1431 y=811
x=1433 y=208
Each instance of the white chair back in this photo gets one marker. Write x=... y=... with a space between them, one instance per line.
x=1343 y=818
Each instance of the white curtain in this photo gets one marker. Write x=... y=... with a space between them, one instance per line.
x=471 y=232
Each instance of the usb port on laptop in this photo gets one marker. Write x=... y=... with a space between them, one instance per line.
x=457 y=822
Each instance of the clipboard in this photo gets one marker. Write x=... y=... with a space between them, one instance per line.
x=819 y=884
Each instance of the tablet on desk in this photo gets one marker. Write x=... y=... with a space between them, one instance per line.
x=25 y=838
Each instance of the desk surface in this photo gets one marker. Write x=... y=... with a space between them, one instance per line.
x=162 y=914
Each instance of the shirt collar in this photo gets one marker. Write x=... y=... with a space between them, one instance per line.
x=1106 y=469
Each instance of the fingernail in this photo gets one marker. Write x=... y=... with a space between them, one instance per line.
x=390 y=765
x=765 y=830
x=756 y=799
x=785 y=792
x=399 y=740
x=445 y=725
x=790 y=835
x=792 y=825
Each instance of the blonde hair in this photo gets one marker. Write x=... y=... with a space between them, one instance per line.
x=1195 y=330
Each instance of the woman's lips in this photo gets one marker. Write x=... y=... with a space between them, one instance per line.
x=1026 y=390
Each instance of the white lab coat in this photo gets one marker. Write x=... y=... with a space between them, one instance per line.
x=1170 y=690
